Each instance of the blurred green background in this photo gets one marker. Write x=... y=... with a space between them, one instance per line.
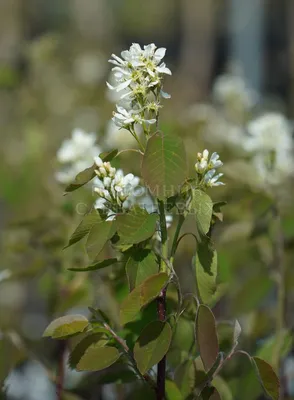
x=53 y=68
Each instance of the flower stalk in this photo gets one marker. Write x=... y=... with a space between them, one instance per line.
x=281 y=290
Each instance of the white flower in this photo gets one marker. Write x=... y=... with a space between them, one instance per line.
x=214 y=126
x=101 y=204
x=232 y=88
x=137 y=78
x=274 y=168
x=270 y=139
x=116 y=190
x=124 y=118
x=77 y=154
x=205 y=164
x=124 y=185
x=210 y=179
x=80 y=146
x=146 y=202
x=69 y=172
x=136 y=57
x=107 y=181
x=206 y=168
x=270 y=132
x=104 y=169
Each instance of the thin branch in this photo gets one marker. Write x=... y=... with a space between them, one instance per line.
x=161 y=302
x=162 y=222
x=176 y=236
x=127 y=150
x=161 y=367
x=60 y=373
x=187 y=234
x=281 y=291
x=145 y=378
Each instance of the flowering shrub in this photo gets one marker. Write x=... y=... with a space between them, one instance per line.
x=133 y=228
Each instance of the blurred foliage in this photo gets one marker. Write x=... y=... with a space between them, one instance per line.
x=52 y=81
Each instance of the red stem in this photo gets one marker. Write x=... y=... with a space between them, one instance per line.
x=161 y=367
x=60 y=372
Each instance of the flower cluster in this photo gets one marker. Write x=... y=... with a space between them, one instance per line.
x=137 y=76
x=76 y=154
x=232 y=89
x=206 y=169
x=270 y=139
x=116 y=191
x=270 y=132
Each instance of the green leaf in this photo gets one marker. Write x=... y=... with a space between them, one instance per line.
x=184 y=335
x=152 y=345
x=84 y=227
x=78 y=352
x=210 y=393
x=136 y=226
x=206 y=271
x=217 y=210
x=172 y=392
x=81 y=179
x=70 y=396
x=269 y=347
x=123 y=375
x=249 y=299
x=206 y=336
x=89 y=173
x=66 y=326
x=223 y=388
x=237 y=332
x=140 y=266
x=142 y=392
x=268 y=378
x=98 y=237
x=185 y=377
x=97 y=358
x=11 y=354
x=99 y=314
x=141 y=296
x=108 y=155
x=96 y=266
x=201 y=207
x=164 y=165
x=188 y=377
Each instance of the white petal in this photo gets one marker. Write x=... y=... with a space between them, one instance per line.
x=165 y=95
x=151 y=72
x=110 y=86
x=150 y=121
x=118 y=188
x=205 y=154
x=118 y=59
x=121 y=70
x=128 y=178
x=98 y=161
x=214 y=157
x=163 y=69
x=123 y=85
x=126 y=95
x=160 y=53
x=114 y=62
x=217 y=164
